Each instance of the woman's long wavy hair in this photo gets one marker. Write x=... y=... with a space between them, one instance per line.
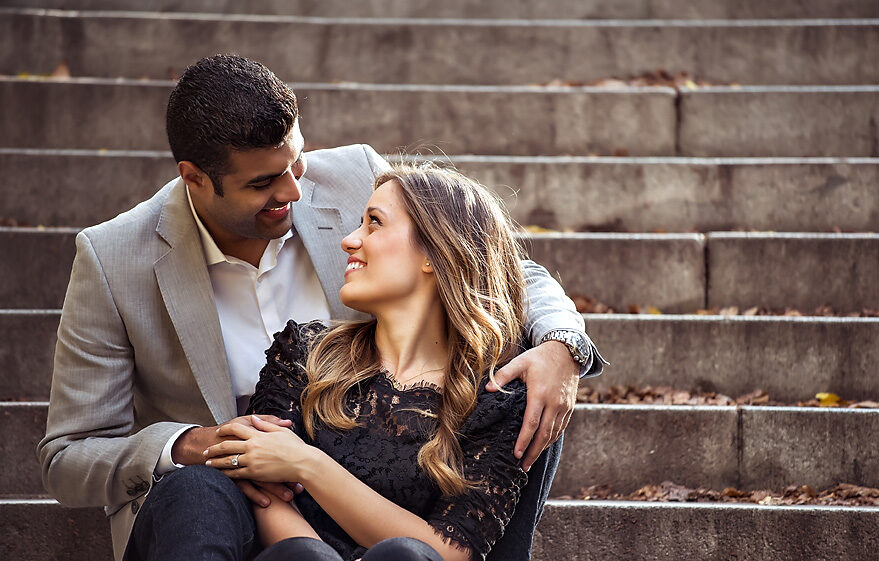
x=468 y=238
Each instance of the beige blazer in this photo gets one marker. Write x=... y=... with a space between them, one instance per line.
x=140 y=352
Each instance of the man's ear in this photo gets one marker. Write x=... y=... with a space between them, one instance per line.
x=195 y=179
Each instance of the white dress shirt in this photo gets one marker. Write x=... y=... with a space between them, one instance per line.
x=254 y=303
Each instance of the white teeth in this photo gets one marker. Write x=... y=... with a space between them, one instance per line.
x=278 y=208
x=355 y=265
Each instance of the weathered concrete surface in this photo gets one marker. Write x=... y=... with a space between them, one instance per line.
x=683 y=194
x=755 y=121
x=37 y=530
x=130 y=115
x=78 y=188
x=443 y=52
x=790 y=358
x=662 y=270
x=802 y=271
x=602 y=530
x=628 y=447
x=27 y=348
x=561 y=193
x=817 y=447
x=36 y=267
x=24 y=424
x=537 y=9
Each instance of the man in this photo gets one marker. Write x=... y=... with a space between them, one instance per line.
x=171 y=305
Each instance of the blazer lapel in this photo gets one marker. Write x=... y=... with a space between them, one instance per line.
x=186 y=290
x=322 y=231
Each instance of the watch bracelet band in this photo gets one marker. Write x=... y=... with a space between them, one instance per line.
x=573 y=340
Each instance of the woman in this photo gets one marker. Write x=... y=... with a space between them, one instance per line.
x=402 y=452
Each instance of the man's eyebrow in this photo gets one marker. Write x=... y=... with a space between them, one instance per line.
x=262 y=178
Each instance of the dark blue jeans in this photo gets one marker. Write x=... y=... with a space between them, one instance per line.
x=198 y=513
x=310 y=549
x=193 y=513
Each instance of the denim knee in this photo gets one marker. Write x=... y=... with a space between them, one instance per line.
x=401 y=549
x=299 y=549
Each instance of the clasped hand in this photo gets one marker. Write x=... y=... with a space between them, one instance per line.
x=262 y=452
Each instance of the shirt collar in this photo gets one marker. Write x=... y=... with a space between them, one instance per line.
x=212 y=252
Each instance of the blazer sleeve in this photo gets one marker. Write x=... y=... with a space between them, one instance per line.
x=89 y=456
x=549 y=308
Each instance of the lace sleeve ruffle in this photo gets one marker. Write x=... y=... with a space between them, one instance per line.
x=477 y=518
x=283 y=378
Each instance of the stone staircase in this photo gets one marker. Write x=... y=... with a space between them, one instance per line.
x=682 y=198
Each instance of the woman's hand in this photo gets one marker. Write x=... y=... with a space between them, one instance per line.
x=264 y=452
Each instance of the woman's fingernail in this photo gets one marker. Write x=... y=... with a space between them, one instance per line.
x=288 y=497
x=526 y=468
x=207 y=463
x=205 y=452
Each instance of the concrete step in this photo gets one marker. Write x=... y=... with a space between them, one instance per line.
x=469 y=9
x=791 y=358
x=27 y=348
x=130 y=115
x=800 y=270
x=529 y=9
x=663 y=270
x=629 y=446
x=779 y=121
x=563 y=193
x=39 y=529
x=601 y=530
x=430 y=51
x=86 y=114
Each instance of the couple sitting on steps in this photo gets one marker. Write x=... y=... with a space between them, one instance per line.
x=419 y=371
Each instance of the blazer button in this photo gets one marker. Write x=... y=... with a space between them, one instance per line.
x=134 y=507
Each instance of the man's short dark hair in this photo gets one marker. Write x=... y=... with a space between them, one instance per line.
x=223 y=103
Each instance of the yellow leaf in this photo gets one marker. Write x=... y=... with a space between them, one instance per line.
x=653 y=310
x=691 y=85
x=827 y=399
x=538 y=230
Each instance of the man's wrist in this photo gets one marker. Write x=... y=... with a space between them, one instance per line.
x=187 y=449
x=166 y=463
x=575 y=342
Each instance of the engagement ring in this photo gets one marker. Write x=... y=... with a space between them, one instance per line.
x=235 y=461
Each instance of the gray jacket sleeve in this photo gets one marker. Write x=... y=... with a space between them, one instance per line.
x=549 y=308
x=90 y=455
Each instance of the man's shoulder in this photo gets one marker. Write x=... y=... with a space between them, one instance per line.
x=132 y=226
x=331 y=164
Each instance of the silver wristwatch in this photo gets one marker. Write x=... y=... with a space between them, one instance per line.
x=575 y=342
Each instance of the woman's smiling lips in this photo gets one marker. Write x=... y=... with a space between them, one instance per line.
x=276 y=213
x=353 y=265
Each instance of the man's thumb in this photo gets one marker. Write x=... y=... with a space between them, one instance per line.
x=502 y=377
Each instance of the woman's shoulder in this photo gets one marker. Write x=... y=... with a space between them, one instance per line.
x=292 y=342
x=505 y=406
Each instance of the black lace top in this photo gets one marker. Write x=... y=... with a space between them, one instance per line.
x=382 y=452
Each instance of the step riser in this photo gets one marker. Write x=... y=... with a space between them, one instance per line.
x=563 y=195
x=666 y=271
x=597 y=532
x=629 y=447
x=804 y=272
x=132 y=116
x=716 y=355
x=537 y=9
x=737 y=123
x=566 y=531
x=446 y=53
x=790 y=360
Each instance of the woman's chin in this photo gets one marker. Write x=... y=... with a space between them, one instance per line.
x=352 y=301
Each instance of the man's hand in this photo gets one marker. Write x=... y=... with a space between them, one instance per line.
x=552 y=376
x=190 y=446
x=257 y=491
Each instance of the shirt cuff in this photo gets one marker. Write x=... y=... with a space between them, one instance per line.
x=166 y=463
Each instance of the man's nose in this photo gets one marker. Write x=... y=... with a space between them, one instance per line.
x=289 y=188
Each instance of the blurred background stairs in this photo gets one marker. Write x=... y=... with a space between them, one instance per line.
x=697 y=159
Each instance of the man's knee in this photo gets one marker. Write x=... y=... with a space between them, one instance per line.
x=299 y=549
x=203 y=484
x=401 y=549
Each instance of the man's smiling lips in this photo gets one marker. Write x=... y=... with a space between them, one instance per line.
x=354 y=264
x=276 y=213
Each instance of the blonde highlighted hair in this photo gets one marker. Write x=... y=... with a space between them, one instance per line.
x=469 y=240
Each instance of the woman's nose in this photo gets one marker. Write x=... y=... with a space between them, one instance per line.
x=351 y=242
